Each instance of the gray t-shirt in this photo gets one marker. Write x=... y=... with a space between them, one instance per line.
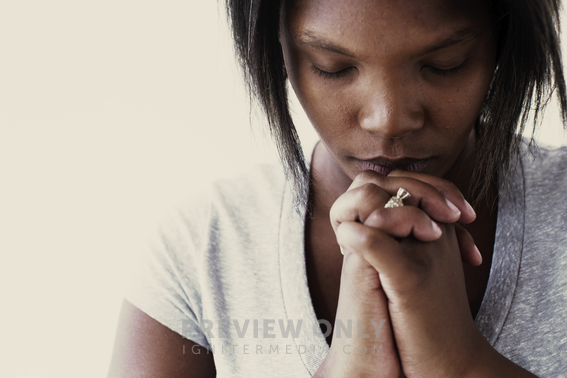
x=228 y=272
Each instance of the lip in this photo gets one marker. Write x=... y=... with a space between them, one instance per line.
x=384 y=165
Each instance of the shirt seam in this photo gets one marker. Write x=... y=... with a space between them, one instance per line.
x=518 y=272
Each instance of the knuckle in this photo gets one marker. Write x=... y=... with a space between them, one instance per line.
x=417 y=188
x=416 y=221
x=335 y=222
x=367 y=239
x=366 y=176
x=447 y=187
x=368 y=192
x=334 y=209
x=378 y=218
x=340 y=207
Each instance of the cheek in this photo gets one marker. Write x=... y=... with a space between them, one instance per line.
x=457 y=109
x=328 y=109
x=326 y=106
x=474 y=90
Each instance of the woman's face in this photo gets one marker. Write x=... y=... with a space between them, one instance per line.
x=390 y=84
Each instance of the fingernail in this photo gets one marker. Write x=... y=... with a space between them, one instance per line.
x=436 y=229
x=478 y=254
x=453 y=207
x=469 y=208
x=342 y=252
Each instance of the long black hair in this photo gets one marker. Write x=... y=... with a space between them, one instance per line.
x=528 y=70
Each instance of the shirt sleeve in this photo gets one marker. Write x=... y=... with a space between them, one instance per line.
x=164 y=279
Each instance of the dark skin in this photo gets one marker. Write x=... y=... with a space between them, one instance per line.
x=330 y=182
x=324 y=260
x=146 y=348
x=440 y=115
x=394 y=89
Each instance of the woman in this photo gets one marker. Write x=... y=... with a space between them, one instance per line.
x=424 y=98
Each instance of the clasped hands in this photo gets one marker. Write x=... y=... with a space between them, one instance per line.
x=404 y=265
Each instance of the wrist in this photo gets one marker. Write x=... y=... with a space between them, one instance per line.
x=338 y=364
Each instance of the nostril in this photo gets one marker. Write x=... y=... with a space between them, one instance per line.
x=390 y=122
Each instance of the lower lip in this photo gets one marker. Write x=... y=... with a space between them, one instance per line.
x=418 y=166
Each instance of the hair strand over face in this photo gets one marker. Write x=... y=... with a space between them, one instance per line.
x=529 y=69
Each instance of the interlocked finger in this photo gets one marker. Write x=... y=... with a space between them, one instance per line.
x=357 y=204
x=423 y=194
x=403 y=222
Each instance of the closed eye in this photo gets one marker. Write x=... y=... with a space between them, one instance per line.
x=331 y=75
x=446 y=71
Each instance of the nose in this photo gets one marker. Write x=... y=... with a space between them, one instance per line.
x=390 y=109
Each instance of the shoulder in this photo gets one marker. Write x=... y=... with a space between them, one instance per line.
x=545 y=208
x=258 y=190
x=195 y=245
x=226 y=208
x=545 y=170
x=544 y=159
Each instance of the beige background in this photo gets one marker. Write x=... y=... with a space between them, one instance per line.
x=110 y=113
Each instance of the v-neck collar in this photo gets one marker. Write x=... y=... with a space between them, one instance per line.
x=297 y=298
x=506 y=258
x=298 y=304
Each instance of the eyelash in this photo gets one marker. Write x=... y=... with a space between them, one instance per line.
x=330 y=75
x=450 y=71
x=343 y=72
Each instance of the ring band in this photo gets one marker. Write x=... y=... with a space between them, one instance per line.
x=396 y=201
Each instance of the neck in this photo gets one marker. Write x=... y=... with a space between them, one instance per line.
x=461 y=174
x=329 y=182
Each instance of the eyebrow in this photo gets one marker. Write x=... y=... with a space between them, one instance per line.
x=463 y=35
x=308 y=38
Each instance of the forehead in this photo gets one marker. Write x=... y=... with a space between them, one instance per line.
x=384 y=22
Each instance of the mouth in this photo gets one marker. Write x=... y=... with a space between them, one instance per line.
x=384 y=166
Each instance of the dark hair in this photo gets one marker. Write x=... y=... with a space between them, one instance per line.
x=528 y=70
